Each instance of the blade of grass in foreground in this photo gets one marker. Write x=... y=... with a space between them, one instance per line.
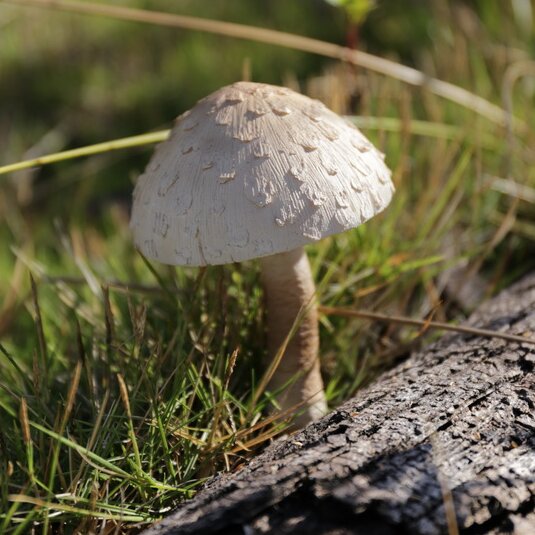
x=98 y=148
x=389 y=124
x=384 y=66
x=129 y=517
x=474 y=331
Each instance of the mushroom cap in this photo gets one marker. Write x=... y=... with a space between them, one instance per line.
x=253 y=170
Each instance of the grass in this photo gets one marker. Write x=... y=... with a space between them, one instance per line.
x=125 y=384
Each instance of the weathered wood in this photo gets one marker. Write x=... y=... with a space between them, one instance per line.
x=454 y=424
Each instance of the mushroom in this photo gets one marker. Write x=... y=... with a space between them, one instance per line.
x=258 y=171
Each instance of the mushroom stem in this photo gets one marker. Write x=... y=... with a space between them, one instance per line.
x=288 y=287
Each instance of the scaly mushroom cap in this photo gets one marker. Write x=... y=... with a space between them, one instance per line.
x=253 y=170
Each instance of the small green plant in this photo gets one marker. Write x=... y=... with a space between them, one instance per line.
x=357 y=10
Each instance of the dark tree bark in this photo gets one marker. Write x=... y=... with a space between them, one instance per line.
x=452 y=428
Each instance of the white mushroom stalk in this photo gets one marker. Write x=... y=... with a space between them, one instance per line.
x=255 y=171
x=289 y=289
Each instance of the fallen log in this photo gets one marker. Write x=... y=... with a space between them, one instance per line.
x=444 y=443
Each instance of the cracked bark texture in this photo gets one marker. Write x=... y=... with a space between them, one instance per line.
x=456 y=419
